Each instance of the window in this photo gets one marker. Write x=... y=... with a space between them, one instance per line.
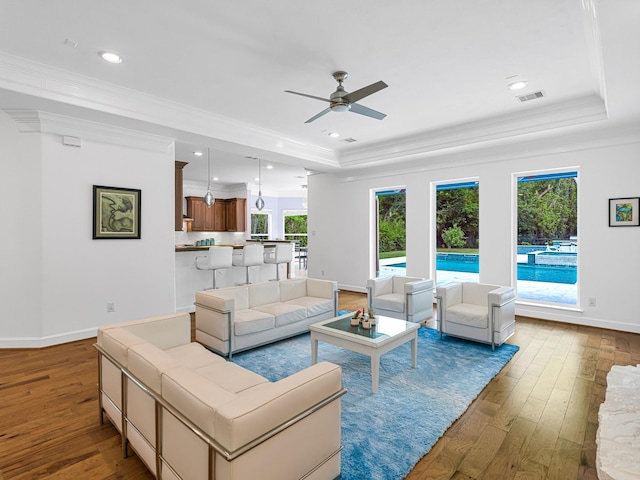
x=295 y=227
x=457 y=234
x=260 y=226
x=391 y=221
x=547 y=237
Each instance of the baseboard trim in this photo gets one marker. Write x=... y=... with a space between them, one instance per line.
x=574 y=317
x=48 y=341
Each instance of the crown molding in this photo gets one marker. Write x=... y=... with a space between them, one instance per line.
x=33 y=121
x=613 y=136
x=455 y=139
x=31 y=78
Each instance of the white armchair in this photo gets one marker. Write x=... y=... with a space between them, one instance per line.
x=405 y=298
x=476 y=311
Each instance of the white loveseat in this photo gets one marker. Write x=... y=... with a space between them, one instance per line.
x=190 y=414
x=476 y=311
x=232 y=319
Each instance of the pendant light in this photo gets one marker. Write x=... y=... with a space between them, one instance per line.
x=208 y=198
x=259 y=201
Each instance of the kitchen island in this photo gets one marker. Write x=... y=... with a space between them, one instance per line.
x=190 y=280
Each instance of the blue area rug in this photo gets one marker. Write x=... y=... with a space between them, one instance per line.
x=386 y=434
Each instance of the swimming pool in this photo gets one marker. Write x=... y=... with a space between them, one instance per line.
x=537 y=273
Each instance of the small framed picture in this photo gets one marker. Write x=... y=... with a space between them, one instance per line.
x=624 y=212
x=116 y=213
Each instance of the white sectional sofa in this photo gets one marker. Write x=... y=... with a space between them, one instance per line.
x=190 y=414
x=232 y=319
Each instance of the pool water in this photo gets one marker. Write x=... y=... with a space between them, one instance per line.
x=537 y=273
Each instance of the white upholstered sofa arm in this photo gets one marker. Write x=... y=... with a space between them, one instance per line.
x=449 y=295
x=418 y=286
x=321 y=288
x=379 y=286
x=260 y=410
x=501 y=296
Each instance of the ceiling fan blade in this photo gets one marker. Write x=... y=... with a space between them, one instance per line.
x=309 y=96
x=365 y=92
x=357 y=108
x=323 y=112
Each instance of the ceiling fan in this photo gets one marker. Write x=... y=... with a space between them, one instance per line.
x=343 y=101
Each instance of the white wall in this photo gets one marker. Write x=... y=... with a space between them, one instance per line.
x=340 y=215
x=21 y=238
x=59 y=279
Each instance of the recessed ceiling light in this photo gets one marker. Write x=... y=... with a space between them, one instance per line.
x=334 y=134
x=215 y=179
x=197 y=154
x=269 y=167
x=111 y=57
x=517 y=85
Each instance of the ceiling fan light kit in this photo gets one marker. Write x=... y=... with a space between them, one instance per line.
x=343 y=101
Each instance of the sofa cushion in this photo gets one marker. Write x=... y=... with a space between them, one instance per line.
x=382 y=286
x=284 y=313
x=147 y=363
x=116 y=342
x=468 y=314
x=399 y=281
x=292 y=289
x=263 y=293
x=194 y=396
x=476 y=293
x=266 y=406
x=314 y=305
x=194 y=355
x=251 y=321
x=389 y=301
x=231 y=377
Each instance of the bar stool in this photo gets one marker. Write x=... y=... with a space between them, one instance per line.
x=249 y=256
x=219 y=258
x=281 y=253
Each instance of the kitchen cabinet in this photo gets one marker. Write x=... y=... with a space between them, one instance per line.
x=178 y=195
x=226 y=215
x=236 y=214
x=201 y=214
x=220 y=216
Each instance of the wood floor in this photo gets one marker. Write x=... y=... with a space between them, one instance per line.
x=536 y=420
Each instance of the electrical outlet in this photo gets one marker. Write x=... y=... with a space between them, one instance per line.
x=592 y=301
x=111 y=307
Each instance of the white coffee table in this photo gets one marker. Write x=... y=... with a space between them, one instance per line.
x=388 y=334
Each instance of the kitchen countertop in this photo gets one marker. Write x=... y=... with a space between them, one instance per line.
x=193 y=248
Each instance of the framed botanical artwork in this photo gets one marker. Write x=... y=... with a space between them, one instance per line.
x=624 y=212
x=116 y=212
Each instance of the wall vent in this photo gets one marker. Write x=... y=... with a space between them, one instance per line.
x=530 y=96
x=349 y=140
